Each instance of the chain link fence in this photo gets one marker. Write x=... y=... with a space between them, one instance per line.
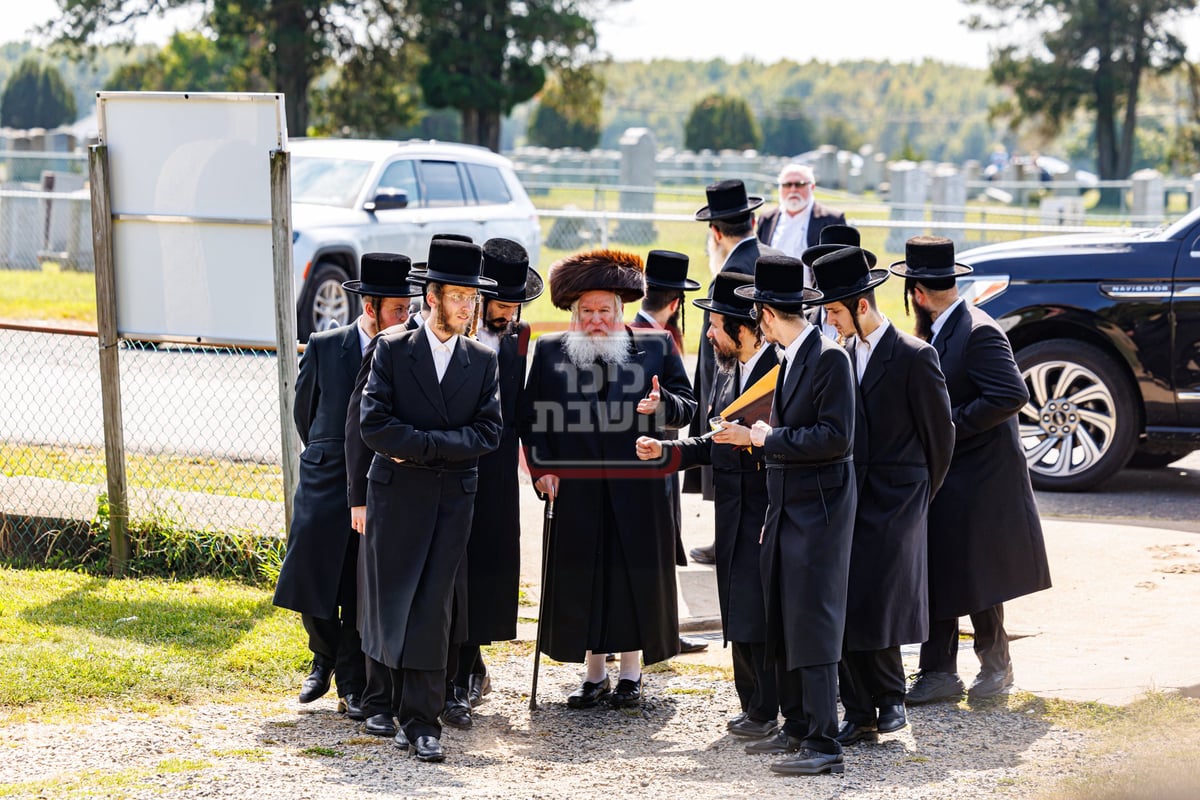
x=201 y=429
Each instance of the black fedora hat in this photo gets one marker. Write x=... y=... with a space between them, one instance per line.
x=779 y=282
x=448 y=237
x=727 y=199
x=507 y=263
x=454 y=263
x=666 y=269
x=929 y=257
x=846 y=272
x=384 y=275
x=832 y=238
x=725 y=299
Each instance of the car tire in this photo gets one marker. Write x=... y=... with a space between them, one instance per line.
x=1081 y=422
x=326 y=304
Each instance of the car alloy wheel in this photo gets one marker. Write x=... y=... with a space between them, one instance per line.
x=1078 y=426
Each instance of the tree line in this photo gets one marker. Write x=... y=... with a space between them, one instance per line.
x=1105 y=83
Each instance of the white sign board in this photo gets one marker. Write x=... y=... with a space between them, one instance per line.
x=190 y=189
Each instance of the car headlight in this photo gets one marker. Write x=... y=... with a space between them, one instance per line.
x=978 y=289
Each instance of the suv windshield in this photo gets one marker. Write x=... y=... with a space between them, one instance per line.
x=327 y=181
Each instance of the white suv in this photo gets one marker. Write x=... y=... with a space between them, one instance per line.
x=355 y=196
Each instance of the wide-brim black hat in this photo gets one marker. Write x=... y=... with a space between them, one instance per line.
x=725 y=299
x=727 y=199
x=453 y=263
x=507 y=263
x=846 y=272
x=834 y=237
x=929 y=257
x=779 y=282
x=667 y=269
x=384 y=275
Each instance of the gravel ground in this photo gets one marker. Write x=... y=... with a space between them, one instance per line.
x=675 y=746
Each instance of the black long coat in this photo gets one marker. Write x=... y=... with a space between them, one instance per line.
x=321 y=539
x=805 y=558
x=591 y=447
x=985 y=537
x=494 y=550
x=903 y=440
x=742 y=259
x=419 y=512
x=740 y=484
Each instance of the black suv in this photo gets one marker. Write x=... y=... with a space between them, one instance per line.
x=1106 y=331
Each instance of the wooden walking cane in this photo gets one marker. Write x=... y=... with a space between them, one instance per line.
x=547 y=523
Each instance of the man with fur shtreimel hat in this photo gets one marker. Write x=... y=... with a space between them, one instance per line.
x=592 y=391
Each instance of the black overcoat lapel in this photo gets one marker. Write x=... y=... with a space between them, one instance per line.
x=425 y=374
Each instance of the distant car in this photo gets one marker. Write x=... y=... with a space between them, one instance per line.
x=1106 y=331
x=352 y=196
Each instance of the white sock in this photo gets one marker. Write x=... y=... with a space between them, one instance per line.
x=595 y=667
x=631 y=665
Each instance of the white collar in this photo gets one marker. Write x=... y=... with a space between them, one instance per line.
x=792 y=349
x=435 y=342
x=748 y=366
x=364 y=338
x=940 y=322
x=874 y=336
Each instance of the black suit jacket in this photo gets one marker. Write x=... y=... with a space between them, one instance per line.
x=420 y=511
x=985 y=537
x=821 y=216
x=810 y=520
x=903 y=441
x=321 y=540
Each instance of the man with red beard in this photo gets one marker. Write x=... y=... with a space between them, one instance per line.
x=610 y=578
x=493 y=561
x=430 y=409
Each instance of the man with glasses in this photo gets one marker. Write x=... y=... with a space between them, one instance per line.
x=797 y=223
x=430 y=409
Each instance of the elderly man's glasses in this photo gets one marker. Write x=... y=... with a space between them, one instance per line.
x=794 y=184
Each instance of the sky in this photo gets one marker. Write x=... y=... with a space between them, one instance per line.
x=767 y=30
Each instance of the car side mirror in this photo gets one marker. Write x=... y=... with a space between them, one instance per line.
x=387 y=199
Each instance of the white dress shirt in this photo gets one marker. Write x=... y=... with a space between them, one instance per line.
x=940 y=322
x=865 y=348
x=791 y=351
x=492 y=340
x=441 y=351
x=364 y=338
x=747 y=368
x=791 y=236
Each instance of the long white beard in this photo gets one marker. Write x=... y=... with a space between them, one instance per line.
x=716 y=259
x=584 y=350
x=794 y=205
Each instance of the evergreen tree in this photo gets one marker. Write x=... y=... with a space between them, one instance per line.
x=35 y=97
x=721 y=122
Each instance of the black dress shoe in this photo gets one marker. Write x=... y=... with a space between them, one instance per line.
x=401 y=740
x=891 y=718
x=478 y=687
x=380 y=725
x=428 y=748
x=753 y=729
x=930 y=687
x=990 y=684
x=779 y=743
x=704 y=555
x=851 y=732
x=589 y=694
x=457 y=713
x=736 y=720
x=628 y=694
x=809 y=762
x=351 y=706
x=316 y=684
x=689 y=645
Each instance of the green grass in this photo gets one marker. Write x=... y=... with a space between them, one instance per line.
x=179 y=473
x=68 y=639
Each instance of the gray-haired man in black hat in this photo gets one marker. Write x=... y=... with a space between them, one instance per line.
x=317 y=577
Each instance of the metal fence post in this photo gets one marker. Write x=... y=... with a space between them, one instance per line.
x=110 y=368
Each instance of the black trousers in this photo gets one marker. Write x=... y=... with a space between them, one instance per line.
x=470 y=662
x=336 y=643
x=754 y=680
x=940 y=652
x=422 y=697
x=808 y=700
x=381 y=696
x=869 y=680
